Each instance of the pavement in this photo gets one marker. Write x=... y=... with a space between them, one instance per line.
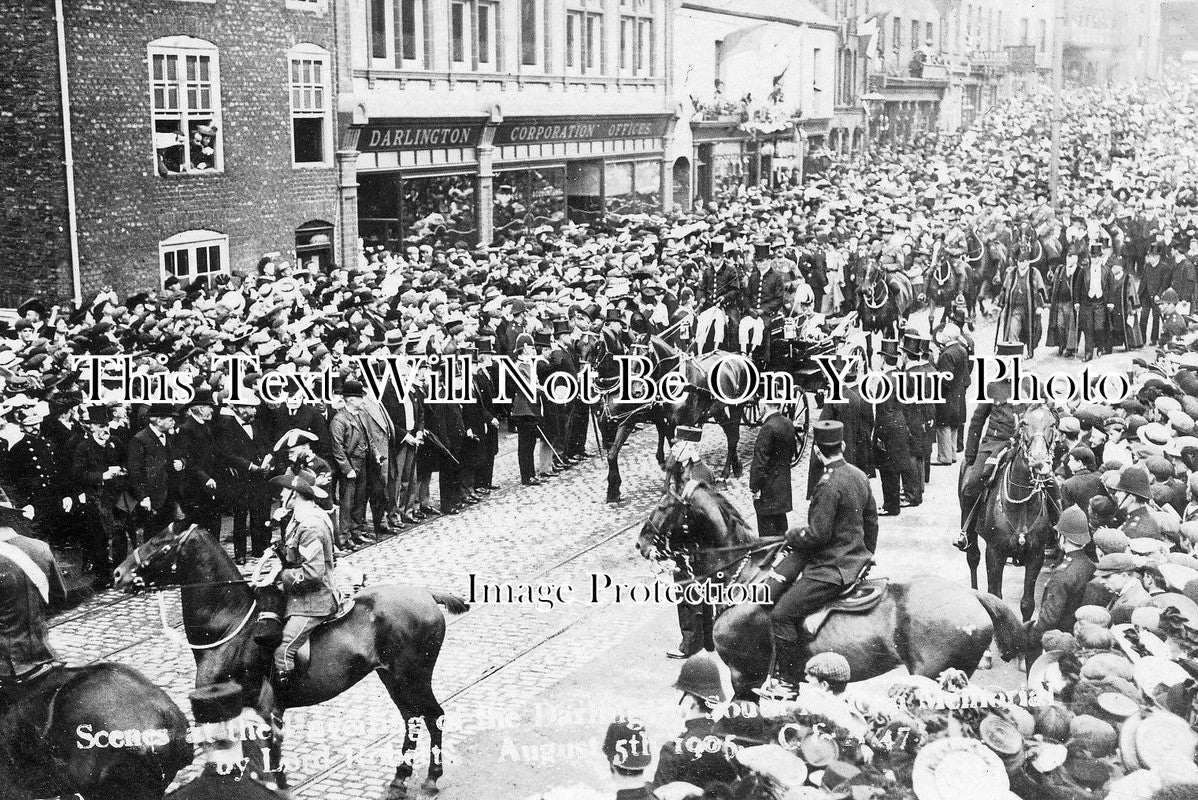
x=527 y=689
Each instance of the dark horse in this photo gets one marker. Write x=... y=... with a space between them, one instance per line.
x=47 y=747
x=927 y=624
x=1015 y=515
x=885 y=299
x=987 y=265
x=944 y=282
x=393 y=630
x=617 y=418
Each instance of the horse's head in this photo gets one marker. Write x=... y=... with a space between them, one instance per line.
x=1036 y=431
x=155 y=563
x=680 y=525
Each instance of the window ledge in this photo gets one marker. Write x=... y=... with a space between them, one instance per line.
x=174 y=176
x=308 y=167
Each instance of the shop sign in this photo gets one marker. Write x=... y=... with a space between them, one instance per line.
x=546 y=130
x=418 y=134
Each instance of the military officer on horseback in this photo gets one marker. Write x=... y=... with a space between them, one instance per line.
x=832 y=551
x=304 y=568
x=991 y=429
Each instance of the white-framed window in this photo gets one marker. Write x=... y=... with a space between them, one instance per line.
x=585 y=53
x=185 y=106
x=194 y=254
x=311 y=109
x=397 y=33
x=637 y=46
x=486 y=35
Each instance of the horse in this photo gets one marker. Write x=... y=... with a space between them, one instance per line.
x=927 y=624
x=943 y=284
x=886 y=299
x=51 y=742
x=393 y=630
x=1015 y=516
x=987 y=262
x=618 y=418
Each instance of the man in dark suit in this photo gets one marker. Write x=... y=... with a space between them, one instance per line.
x=832 y=550
x=769 y=474
x=36 y=482
x=765 y=296
x=243 y=446
x=950 y=415
x=484 y=393
x=1083 y=483
x=920 y=416
x=294 y=413
x=196 y=439
x=155 y=464
x=99 y=474
x=892 y=439
x=857 y=416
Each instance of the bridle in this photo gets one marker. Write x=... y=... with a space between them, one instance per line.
x=1037 y=480
x=684 y=559
x=172 y=548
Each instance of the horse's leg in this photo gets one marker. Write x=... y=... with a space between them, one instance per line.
x=996 y=561
x=613 y=461
x=275 y=748
x=664 y=436
x=398 y=690
x=1031 y=571
x=973 y=557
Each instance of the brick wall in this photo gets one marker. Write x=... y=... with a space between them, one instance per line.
x=34 y=247
x=125 y=207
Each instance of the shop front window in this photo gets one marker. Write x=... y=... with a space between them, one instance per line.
x=529 y=198
x=584 y=191
x=632 y=187
x=378 y=209
x=438 y=209
x=728 y=168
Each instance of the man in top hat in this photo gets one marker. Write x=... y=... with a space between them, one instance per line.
x=561 y=411
x=1023 y=295
x=769 y=474
x=718 y=300
x=1155 y=277
x=99 y=472
x=892 y=439
x=304 y=568
x=196 y=439
x=949 y=416
x=1092 y=284
x=484 y=392
x=831 y=551
x=1067 y=584
x=991 y=429
x=764 y=295
x=155 y=465
x=243 y=461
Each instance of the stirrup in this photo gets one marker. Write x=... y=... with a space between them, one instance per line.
x=775 y=688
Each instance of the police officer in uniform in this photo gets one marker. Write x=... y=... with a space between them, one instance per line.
x=1067 y=584
x=35 y=481
x=831 y=551
x=919 y=416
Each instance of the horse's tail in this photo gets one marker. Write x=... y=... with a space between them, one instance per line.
x=1008 y=630
x=453 y=604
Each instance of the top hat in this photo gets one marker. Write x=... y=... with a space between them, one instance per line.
x=889 y=350
x=762 y=250
x=686 y=433
x=216 y=702
x=562 y=327
x=541 y=339
x=828 y=433
x=98 y=415
x=716 y=247
x=912 y=344
x=485 y=344
x=614 y=315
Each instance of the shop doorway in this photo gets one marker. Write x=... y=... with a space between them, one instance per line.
x=682 y=184
x=314 y=245
x=584 y=191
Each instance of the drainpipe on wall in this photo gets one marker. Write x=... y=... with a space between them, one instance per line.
x=68 y=152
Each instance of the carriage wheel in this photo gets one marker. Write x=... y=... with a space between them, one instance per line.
x=800 y=416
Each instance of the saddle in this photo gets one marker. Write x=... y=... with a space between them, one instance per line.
x=858 y=597
x=346 y=583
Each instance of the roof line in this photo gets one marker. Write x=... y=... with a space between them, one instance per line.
x=729 y=12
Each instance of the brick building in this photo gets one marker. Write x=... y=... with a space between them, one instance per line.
x=203 y=133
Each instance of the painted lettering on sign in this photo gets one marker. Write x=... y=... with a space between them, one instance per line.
x=394 y=138
x=526 y=131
